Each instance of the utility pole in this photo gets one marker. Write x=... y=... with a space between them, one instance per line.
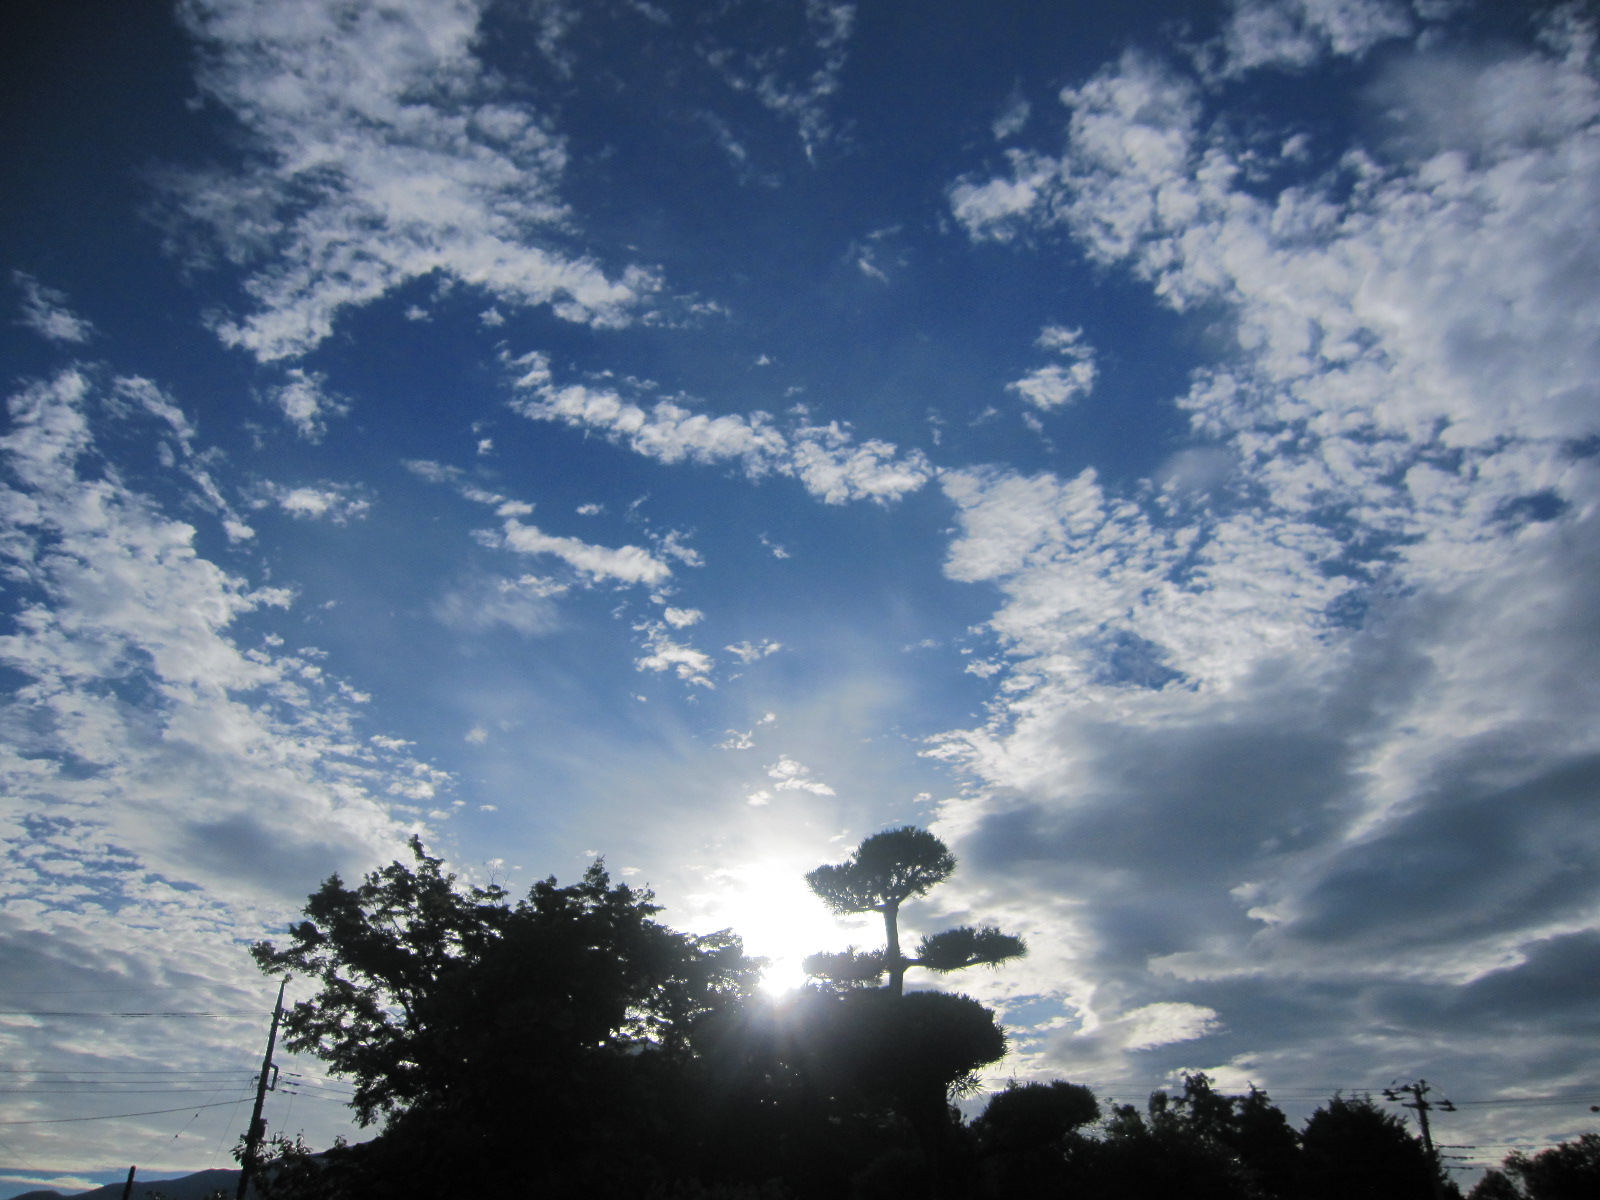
x=258 y=1127
x=1418 y=1092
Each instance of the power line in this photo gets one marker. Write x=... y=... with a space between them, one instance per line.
x=122 y=1071
x=240 y=1012
x=101 y=1091
x=155 y=1112
x=115 y=991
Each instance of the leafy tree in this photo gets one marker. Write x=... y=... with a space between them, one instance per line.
x=882 y=873
x=1028 y=1139
x=1161 y=1154
x=1351 y=1147
x=1250 y=1127
x=567 y=1026
x=1569 y=1171
x=1495 y=1185
x=1026 y=1116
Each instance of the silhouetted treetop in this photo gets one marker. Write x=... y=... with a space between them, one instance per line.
x=964 y=946
x=430 y=991
x=1568 y=1171
x=888 y=868
x=1029 y=1115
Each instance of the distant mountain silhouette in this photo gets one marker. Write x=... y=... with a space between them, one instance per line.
x=189 y=1187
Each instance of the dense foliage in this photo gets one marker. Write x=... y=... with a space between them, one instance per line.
x=1570 y=1171
x=569 y=1044
x=502 y=1040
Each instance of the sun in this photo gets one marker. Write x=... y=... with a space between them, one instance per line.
x=768 y=904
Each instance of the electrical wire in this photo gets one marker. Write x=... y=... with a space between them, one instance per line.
x=231 y=1012
x=100 y=1091
x=155 y=1112
x=121 y=1071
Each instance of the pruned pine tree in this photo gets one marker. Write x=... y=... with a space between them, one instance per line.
x=883 y=872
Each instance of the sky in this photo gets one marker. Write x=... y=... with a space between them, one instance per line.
x=1154 y=446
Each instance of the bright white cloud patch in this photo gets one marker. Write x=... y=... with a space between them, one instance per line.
x=384 y=151
x=826 y=459
x=1055 y=385
x=792 y=776
x=592 y=564
x=338 y=503
x=1161 y=1024
x=684 y=661
x=622 y=564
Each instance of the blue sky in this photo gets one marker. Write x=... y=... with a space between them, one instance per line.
x=1153 y=446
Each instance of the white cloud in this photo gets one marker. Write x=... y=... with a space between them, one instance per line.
x=171 y=783
x=305 y=401
x=681 y=618
x=383 y=151
x=1160 y=1025
x=796 y=777
x=1316 y=662
x=826 y=459
x=1054 y=385
x=749 y=652
x=45 y=311
x=622 y=564
x=336 y=502
x=664 y=654
x=1296 y=34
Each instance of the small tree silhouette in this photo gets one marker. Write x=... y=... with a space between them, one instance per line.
x=882 y=873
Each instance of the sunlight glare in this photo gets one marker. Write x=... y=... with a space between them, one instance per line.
x=768 y=904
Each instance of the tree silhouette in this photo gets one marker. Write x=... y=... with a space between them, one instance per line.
x=567 y=1025
x=1568 y=1171
x=882 y=873
x=1029 y=1115
x=1170 y=1149
x=1250 y=1127
x=1351 y=1147
x=911 y=1051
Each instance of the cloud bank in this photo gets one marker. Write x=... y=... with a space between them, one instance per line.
x=1245 y=738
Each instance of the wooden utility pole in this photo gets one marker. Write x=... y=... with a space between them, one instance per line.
x=258 y=1127
x=1418 y=1091
x=127 y=1188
